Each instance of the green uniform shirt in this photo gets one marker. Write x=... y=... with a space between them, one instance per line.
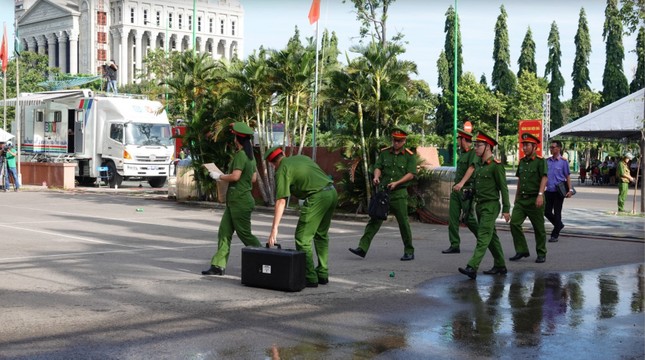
x=490 y=181
x=530 y=173
x=247 y=166
x=394 y=166
x=299 y=176
x=621 y=173
x=11 y=159
x=466 y=160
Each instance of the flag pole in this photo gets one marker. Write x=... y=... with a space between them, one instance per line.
x=4 y=78
x=314 y=16
x=315 y=99
x=17 y=115
x=455 y=64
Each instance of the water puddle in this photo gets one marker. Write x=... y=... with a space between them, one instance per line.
x=582 y=314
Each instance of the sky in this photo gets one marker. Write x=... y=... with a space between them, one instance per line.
x=270 y=23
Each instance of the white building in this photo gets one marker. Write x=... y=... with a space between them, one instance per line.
x=81 y=35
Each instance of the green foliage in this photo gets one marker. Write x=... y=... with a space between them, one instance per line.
x=586 y=102
x=503 y=79
x=526 y=103
x=580 y=74
x=526 y=61
x=557 y=81
x=633 y=14
x=639 y=78
x=452 y=24
x=614 y=82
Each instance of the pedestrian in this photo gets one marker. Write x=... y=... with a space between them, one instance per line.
x=557 y=172
x=461 y=194
x=301 y=177
x=489 y=186
x=239 y=200
x=395 y=167
x=10 y=156
x=110 y=74
x=529 y=200
x=624 y=178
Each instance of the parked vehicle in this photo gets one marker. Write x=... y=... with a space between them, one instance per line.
x=129 y=136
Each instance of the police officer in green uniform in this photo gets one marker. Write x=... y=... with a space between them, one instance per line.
x=303 y=178
x=239 y=200
x=395 y=167
x=461 y=195
x=529 y=200
x=624 y=178
x=490 y=182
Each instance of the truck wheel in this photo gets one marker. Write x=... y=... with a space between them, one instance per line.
x=157 y=181
x=114 y=178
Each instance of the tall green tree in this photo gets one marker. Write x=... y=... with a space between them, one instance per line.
x=503 y=79
x=580 y=73
x=614 y=82
x=526 y=61
x=451 y=28
x=639 y=78
x=556 y=82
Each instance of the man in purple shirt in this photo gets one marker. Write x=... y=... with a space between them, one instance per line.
x=558 y=171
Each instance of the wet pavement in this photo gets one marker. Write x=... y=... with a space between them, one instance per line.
x=85 y=275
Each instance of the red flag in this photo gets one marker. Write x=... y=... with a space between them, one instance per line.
x=4 y=51
x=314 y=12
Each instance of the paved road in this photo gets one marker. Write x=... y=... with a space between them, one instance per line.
x=85 y=275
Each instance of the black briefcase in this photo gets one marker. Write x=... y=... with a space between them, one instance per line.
x=273 y=268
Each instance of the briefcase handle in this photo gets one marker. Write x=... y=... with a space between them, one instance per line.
x=276 y=245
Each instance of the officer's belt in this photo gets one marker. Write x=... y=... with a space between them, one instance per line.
x=525 y=196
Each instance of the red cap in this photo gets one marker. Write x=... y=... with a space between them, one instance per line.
x=485 y=138
x=272 y=153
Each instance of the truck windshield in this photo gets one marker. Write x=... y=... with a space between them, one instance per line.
x=148 y=134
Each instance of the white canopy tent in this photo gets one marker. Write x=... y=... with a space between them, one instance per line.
x=622 y=119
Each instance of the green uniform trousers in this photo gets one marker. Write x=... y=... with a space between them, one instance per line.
x=398 y=207
x=236 y=218
x=313 y=226
x=457 y=204
x=487 y=238
x=526 y=208
x=623 y=188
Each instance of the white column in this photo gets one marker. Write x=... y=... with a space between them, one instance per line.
x=52 y=41
x=40 y=40
x=31 y=45
x=62 y=51
x=73 y=52
x=122 y=61
x=138 y=62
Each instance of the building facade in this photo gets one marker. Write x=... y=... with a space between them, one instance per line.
x=79 y=36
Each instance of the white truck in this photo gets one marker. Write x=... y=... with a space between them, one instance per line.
x=130 y=137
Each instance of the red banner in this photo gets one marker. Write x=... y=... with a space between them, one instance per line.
x=533 y=127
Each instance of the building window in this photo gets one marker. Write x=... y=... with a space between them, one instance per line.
x=180 y=21
x=221 y=26
x=170 y=20
x=210 y=25
x=101 y=18
x=158 y=18
x=199 y=24
x=145 y=17
x=118 y=14
x=190 y=22
x=233 y=28
x=101 y=37
x=131 y=15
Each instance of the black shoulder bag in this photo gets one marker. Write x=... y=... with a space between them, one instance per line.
x=379 y=205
